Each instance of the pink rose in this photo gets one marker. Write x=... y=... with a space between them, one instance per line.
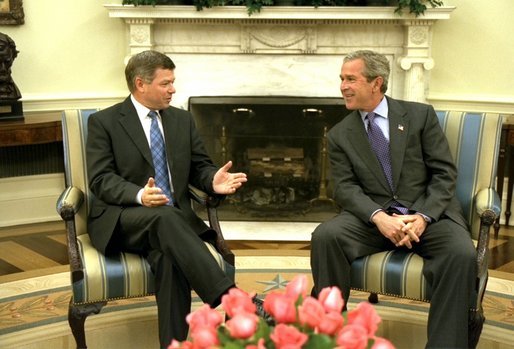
x=174 y=344
x=365 y=315
x=382 y=343
x=260 y=345
x=311 y=312
x=331 y=299
x=281 y=307
x=331 y=323
x=205 y=337
x=297 y=287
x=242 y=325
x=236 y=301
x=184 y=345
x=204 y=316
x=288 y=337
x=352 y=337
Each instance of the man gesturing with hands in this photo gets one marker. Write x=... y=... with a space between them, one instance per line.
x=141 y=199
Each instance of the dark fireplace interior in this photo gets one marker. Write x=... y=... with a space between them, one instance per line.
x=280 y=143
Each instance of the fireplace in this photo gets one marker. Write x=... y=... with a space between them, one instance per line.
x=280 y=142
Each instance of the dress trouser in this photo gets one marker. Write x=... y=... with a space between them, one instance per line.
x=180 y=262
x=449 y=267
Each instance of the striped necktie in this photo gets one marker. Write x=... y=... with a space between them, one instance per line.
x=158 y=148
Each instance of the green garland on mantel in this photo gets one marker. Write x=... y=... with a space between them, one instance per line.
x=416 y=7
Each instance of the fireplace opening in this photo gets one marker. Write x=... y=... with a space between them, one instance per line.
x=280 y=143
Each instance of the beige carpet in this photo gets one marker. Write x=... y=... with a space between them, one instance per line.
x=37 y=302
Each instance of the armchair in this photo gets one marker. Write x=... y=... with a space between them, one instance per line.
x=97 y=279
x=474 y=140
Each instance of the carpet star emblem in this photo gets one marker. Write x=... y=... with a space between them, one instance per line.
x=278 y=282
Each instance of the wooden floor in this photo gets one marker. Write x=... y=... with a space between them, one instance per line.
x=40 y=249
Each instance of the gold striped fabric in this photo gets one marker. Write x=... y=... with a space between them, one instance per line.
x=122 y=275
x=74 y=125
x=397 y=273
x=474 y=140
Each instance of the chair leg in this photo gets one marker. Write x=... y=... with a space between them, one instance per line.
x=475 y=325
x=77 y=315
x=373 y=298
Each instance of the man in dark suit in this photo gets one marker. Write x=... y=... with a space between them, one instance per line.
x=409 y=203
x=130 y=212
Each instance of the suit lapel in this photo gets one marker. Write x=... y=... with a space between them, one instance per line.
x=359 y=139
x=171 y=136
x=130 y=122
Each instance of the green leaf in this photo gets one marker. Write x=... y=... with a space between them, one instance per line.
x=223 y=335
x=263 y=330
x=233 y=345
x=320 y=341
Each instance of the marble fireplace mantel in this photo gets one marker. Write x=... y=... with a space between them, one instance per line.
x=285 y=47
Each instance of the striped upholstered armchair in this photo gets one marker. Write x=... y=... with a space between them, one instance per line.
x=474 y=140
x=97 y=279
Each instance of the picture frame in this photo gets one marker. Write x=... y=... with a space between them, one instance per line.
x=11 y=12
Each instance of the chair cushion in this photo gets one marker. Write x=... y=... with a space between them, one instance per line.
x=122 y=275
x=397 y=273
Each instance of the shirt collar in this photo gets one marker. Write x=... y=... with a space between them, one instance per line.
x=142 y=111
x=382 y=109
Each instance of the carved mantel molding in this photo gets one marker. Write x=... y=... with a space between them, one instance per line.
x=289 y=31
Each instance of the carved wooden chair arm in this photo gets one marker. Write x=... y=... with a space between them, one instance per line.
x=68 y=205
x=488 y=208
x=211 y=203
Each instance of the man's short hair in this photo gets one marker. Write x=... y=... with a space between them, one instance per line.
x=144 y=65
x=375 y=65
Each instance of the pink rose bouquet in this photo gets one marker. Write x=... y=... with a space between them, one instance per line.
x=301 y=322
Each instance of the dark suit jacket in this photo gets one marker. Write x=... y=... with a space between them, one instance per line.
x=424 y=173
x=119 y=163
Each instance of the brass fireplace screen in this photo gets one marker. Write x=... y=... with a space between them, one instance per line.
x=280 y=142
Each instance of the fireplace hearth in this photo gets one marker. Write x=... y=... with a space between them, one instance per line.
x=280 y=142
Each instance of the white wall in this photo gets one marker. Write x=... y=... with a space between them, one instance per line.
x=68 y=50
x=474 y=53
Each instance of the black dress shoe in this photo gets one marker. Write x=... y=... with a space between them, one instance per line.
x=259 y=303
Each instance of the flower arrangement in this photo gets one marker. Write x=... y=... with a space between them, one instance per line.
x=301 y=321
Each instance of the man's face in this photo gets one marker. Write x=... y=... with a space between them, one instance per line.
x=156 y=95
x=357 y=92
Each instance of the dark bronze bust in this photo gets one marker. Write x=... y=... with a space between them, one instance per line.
x=8 y=89
x=10 y=106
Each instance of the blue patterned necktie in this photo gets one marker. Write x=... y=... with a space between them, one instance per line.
x=157 y=146
x=380 y=146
